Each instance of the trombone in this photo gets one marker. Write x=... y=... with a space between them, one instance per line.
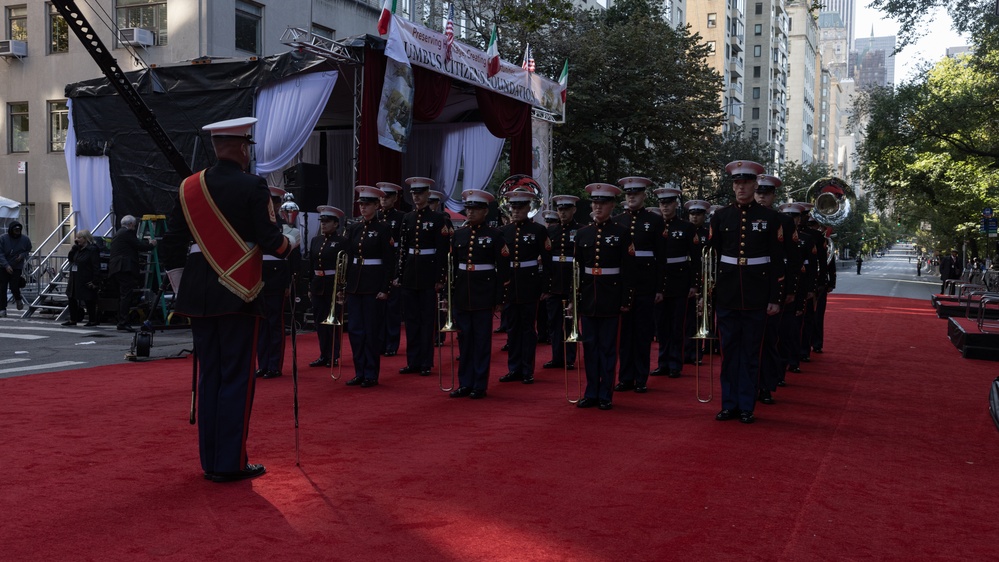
x=444 y=305
x=572 y=316
x=705 y=332
x=335 y=317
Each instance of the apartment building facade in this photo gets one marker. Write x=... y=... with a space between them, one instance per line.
x=722 y=26
x=804 y=72
x=766 y=74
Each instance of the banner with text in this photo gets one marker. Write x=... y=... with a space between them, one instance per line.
x=425 y=47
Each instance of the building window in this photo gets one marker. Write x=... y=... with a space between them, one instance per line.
x=756 y=113
x=758 y=29
x=58 y=125
x=17 y=116
x=58 y=32
x=324 y=32
x=756 y=93
x=757 y=50
x=248 y=18
x=755 y=133
x=67 y=228
x=712 y=20
x=756 y=72
x=17 y=23
x=759 y=8
x=711 y=46
x=147 y=14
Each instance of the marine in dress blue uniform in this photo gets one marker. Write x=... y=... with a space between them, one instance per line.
x=435 y=202
x=530 y=249
x=323 y=252
x=604 y=254
x=229 y=215
x=644 y=229
x=697 y=214
x=814 y=229
x=371 y=264
x=426 y=238
x=679 y=259
x=481 y=270
x=800 y=281
x=749 y=242
x=277 y=284
x=563 y=242
x=392 y=216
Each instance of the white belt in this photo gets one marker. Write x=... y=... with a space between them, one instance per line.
x=528 y=263
x=195 y=249
x=805 y=262
x=368 y=261
x=271 y=258
x=745 y=261
x=324 y=272
x=644 y=254
x=423 y=251
x=562 y=259
x=680 y=259
x=601 y=270
x=476 y=266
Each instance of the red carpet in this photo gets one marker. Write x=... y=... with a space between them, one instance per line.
x=881 y=449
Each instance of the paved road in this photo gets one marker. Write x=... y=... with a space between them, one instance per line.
x=891 y=276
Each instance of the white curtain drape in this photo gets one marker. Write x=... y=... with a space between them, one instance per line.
x=309 y=155
x=481 y=151
x=287 y=112
x=89 y=181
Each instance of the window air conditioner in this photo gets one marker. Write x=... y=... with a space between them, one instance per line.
x=136 y=37
x=11 y=48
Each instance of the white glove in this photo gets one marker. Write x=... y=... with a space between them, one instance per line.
x=174 y=276
x=292 y=234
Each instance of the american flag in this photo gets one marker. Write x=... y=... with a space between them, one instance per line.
x=528 y=63
x=449 y=33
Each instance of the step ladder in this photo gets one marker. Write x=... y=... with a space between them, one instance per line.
x=154 y=226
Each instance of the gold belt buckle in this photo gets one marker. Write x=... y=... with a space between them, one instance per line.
x=471 y=267
x=742 y=261
x=598 y=271
x=416 y=252
x=561 y=258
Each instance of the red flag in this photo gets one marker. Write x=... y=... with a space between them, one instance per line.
x=388 y=8
x=449 y=33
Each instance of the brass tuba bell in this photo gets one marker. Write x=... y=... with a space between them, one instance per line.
x=832 y=200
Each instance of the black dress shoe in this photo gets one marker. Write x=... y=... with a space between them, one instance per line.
x=586 y=403
x=69 y=323
x=794 y=369
x=726 y=415
x=477 y=394
x=528 y=379
x=272 y=374
x=658 y=372
x=554 y=365
x=806 y=360
x=354 y=381
x=781 y=383
x=92 y=324
x=460 y=392
x=407 y=370
x=606 y=405
x=688 y=361
x=251 y=471
x=499 y=330
x=506 y=347
x=368 y=383
x=336 y=362
x=766 y=397
x=817 y=350
x=624 y=385
x=426 y=372
x=511 y=377
x=747 y=417
x=388 y=353
x=674 y=373
x=570 y=366
x=321 y=362
x=259 y=373
x=641 y=389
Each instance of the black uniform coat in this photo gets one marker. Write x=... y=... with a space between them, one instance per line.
x=424 y=229
x=644 y=229
x=479 y=289
x=801 y=276
x=603 y=246
x=793 y=257
x=85 y=270
x=679 y=239
x=125 y=248
x=748 y=231
x=559 y=271
x=370 y=240
x=527 y=241
x=322 y=257
x=244 y=200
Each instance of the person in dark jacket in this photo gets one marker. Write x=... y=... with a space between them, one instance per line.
x=14 y=250
x=84 y=276
x=124 y=265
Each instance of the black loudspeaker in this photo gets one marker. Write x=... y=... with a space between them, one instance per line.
x=309 y=184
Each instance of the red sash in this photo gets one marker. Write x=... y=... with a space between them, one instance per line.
x=238 y=265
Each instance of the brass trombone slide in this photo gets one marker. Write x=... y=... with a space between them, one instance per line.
x=572 y=317
x=444 y=305
x=335 y=317
x=705 y=332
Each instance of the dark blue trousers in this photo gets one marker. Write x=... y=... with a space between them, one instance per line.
x=741 y=333
x=329 y=336
x=561 y=352
x=600 y=335
x=224 y=346
x=669 y=326
x=270 y=334
x=475 y=346
x=366 y=328
x=807 y=328
x=637 y=328
x=420 y=311
x=819 y=324
x=392 y=324
x=789 y=344
x=771 y=365
x=522 y=338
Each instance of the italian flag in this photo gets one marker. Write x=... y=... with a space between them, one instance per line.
x=388 y=8
x=492 y=55
x=563 y=80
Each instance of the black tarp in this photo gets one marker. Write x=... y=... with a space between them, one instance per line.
x=184 y=98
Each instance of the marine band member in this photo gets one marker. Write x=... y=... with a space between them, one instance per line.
x=389 y=213
x=563 y=240
x=323 y=251
x=697 y=214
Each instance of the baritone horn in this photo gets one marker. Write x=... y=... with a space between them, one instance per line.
x=444 y=307
x=335 y=317
x=520 y=184
x=572 y=316
x=832 y=200
x=705 y=333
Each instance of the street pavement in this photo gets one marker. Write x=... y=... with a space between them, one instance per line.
x=891 y=276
